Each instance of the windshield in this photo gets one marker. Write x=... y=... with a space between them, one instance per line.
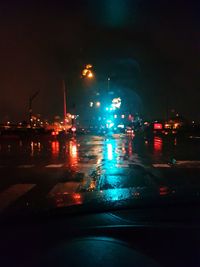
x=99 y=103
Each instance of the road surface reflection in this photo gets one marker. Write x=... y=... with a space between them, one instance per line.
x=55 y=147
x=73 y=154
x=158 y=145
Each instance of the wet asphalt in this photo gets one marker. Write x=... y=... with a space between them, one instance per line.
x=33 y=170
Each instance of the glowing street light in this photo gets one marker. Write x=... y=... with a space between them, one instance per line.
x=98 y=104
x=116 y=102
x=90 y=75
x=87 y=72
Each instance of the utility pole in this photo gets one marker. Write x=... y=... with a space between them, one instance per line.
x=108 y=84
x=64 y=103
x=30 y=106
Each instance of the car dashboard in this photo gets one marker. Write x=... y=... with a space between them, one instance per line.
x=132 y=237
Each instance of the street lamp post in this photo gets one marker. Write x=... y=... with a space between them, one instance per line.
x=64 y=103
x=88 y=73
x=30 y=106
x=108 y=84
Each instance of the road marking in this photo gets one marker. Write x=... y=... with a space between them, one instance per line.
x=54 y=166
x=64 y=188
x=161 y=165
x=95 y=142
x=13 y=193
x=25 y=166
x=122 y=165
x=188 y=163
x=183 y=162
x=179 y=163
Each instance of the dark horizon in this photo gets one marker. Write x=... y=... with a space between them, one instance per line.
x=150 y=48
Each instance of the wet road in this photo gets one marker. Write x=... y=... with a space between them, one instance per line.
x=32 y=171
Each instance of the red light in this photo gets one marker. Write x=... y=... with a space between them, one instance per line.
x=73 y=129
x=158 y=144
x=77 y=196
x=54 y=133
x=55 y=148
x=164 y=190
x=157 y=126
x=73 y=153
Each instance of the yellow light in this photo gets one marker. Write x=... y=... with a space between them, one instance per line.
x=167 y=126
x=84 y=72
x=90 y=74
x=88 y=66
x=176 y=125
x=98 y=104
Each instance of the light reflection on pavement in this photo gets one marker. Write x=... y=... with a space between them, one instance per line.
x=114 y=167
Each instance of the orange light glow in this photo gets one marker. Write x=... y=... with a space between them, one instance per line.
x=88 y=66
x=130 y=150
x=77 y=198
x=92 y=185
x=73 y=154
x=90 y=74
x=54 y=133
x=167 y=126
x=55 y=148
x=176 y=125
x=87 y=72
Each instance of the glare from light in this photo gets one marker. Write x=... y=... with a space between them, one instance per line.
x=98 y=104
x=110 y=151
x=88 y=66
x=74 y=150
x=90 y=74
x=116 y=102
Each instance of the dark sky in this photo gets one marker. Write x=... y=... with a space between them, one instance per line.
x=150 y=47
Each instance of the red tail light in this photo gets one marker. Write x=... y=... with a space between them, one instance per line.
x=164 y=190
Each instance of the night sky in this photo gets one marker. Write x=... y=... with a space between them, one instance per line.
x=150 y=47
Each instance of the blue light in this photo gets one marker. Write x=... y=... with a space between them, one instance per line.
x=110 y=151
x=109 y=124
x=107 y=108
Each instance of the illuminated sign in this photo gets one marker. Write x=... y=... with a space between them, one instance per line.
x=157 y=126
x=116 y=102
